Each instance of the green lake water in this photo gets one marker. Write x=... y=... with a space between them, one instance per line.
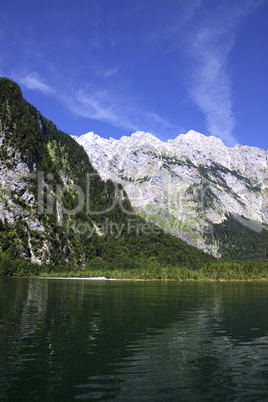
x=64 y=340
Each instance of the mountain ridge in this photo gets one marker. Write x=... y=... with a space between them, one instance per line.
x=189 y=182
x=190 y=135
x=233 y=158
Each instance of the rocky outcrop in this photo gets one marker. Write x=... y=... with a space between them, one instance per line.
x=17 y=200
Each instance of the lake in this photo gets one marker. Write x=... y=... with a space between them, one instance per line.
x=66 y=340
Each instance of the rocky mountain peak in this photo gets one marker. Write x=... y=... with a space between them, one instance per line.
x=185 y=184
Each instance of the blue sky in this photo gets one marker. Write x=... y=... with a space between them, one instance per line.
x=162 y=66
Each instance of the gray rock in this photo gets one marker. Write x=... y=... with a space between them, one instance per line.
x=196 y=179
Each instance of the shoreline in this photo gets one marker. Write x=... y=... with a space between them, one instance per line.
x=91 y=278
x=103 y=278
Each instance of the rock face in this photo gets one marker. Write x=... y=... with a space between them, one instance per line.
x=186 y=184
x=15 y=194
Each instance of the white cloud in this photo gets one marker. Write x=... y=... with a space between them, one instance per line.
x=107 y=73
x=210 y=86
x=33 y=81
x=105 y=106
x=95 y=39
x=210 y=43
x=99 y=105
x=159 y=126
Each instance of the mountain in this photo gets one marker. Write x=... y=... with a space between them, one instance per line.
x=56 y=210
x=190 y=186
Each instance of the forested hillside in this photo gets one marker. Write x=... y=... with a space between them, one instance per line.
x=55 y=210
x=239 y=238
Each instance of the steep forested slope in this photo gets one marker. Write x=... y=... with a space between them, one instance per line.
x=241 y=239
x=56 y=210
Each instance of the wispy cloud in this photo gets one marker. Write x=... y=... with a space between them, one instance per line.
x=95 y=39
x=211 y=87
x=34 y=81
x=98 y=103
x=105 y=106
x=106 y=73
x=159 y=126
x=168 y=31
x=209 y=45
x=101 y=105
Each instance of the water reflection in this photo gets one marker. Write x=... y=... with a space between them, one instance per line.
x=126 y=341
x=195 y=358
